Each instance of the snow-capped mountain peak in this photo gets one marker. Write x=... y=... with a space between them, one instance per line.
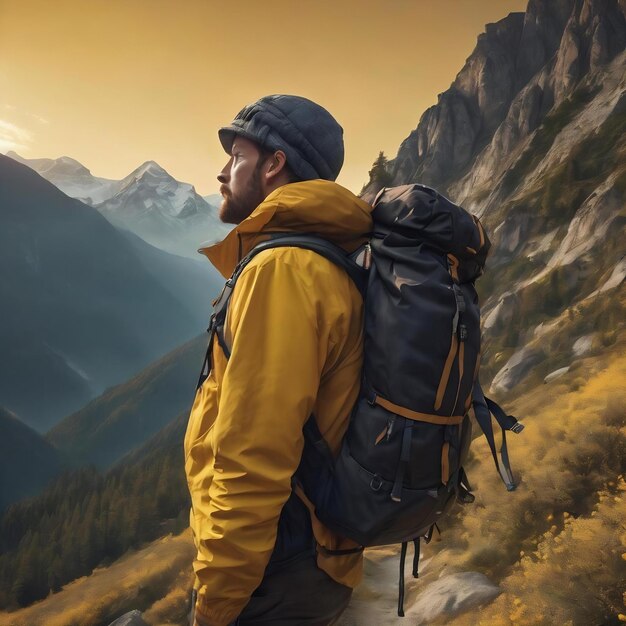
x=149 y=202
x=150 y=168
x=163 y=211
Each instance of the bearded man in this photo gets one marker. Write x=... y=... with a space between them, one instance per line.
x=291 y=348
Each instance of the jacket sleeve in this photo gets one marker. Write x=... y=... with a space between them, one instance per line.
x=268 y=391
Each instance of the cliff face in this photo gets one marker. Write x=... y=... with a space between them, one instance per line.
x=531 y=136
x=521 y=68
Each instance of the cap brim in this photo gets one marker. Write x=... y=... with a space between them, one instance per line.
x=227 y=136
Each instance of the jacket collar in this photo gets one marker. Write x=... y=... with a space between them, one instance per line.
x=314 y=206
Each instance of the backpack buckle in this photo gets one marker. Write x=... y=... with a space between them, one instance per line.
x=517 y=428
x=376 y=483
x=371 y=398
x=211 y=324
x=462 y=332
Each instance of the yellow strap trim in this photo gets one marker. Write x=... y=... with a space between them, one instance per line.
x=442 y=420
x=445 y=467
x=381 y=436
x=445 y=374
x=454 y=267
x=481 y=233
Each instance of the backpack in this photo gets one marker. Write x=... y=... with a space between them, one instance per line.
x=400 y=467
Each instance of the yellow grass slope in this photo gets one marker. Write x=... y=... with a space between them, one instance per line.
x=159 y=574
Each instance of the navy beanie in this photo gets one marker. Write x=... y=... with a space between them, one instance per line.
x=306 y=132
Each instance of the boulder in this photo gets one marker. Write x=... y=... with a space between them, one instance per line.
x=520 y=363
x=132 y=618
x=556 y=374
x=503 y=311
x=451 y=595
x=582 y=345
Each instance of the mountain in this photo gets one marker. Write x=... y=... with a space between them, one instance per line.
x=72 y=178
x=27 y=461
x=166 y=213
x=194 y=282
x=531 y=137
x=81 y=311
x=214 y=199
x=148 y=202
x=522 y=67
x=128 y=415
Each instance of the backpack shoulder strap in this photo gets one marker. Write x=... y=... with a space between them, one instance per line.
x=322 y=246
x=317 y=244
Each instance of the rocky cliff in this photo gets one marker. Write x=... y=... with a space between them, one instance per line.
x=521 y=68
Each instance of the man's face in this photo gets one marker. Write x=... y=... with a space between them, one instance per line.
x=241 y=187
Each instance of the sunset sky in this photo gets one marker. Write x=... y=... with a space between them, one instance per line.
x=114 y=83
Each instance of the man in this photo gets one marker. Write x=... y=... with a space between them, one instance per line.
x=294 y=334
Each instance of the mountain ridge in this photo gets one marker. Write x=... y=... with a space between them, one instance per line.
x=81 y=312
x=27 y=461
x=149 y=202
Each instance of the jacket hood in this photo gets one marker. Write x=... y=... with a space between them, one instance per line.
x=319 y=207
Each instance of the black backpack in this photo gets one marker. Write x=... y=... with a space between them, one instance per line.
x=401 y=463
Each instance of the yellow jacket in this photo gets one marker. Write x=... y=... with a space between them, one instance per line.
x=294 y=325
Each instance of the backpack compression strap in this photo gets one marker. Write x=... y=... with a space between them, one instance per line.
x=483 y=409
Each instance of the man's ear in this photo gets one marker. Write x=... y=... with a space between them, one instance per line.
x=276 y=164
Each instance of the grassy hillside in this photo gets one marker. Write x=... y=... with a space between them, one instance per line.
x=85 y=520
x=156 y=576
x=541 y=544
x=127 y=415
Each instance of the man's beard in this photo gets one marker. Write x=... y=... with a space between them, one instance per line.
x=235 y=208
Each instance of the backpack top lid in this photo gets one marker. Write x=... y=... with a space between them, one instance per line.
x=409 y=213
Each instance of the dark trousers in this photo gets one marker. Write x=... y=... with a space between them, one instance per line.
x=297 y=594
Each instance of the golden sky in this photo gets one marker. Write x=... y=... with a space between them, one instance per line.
x=114 y=83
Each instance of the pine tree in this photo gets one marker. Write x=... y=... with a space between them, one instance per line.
x=380 y=174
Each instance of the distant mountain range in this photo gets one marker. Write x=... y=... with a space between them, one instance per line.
x=85 y=306
x=72 y=178
x=148 y=202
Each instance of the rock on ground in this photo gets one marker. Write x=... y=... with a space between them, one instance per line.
x=553 y=375
x=582 y=345
x=515 y=369
x=450 y=595
x=132 y=618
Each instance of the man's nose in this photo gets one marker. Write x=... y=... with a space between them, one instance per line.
x=224 y=176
